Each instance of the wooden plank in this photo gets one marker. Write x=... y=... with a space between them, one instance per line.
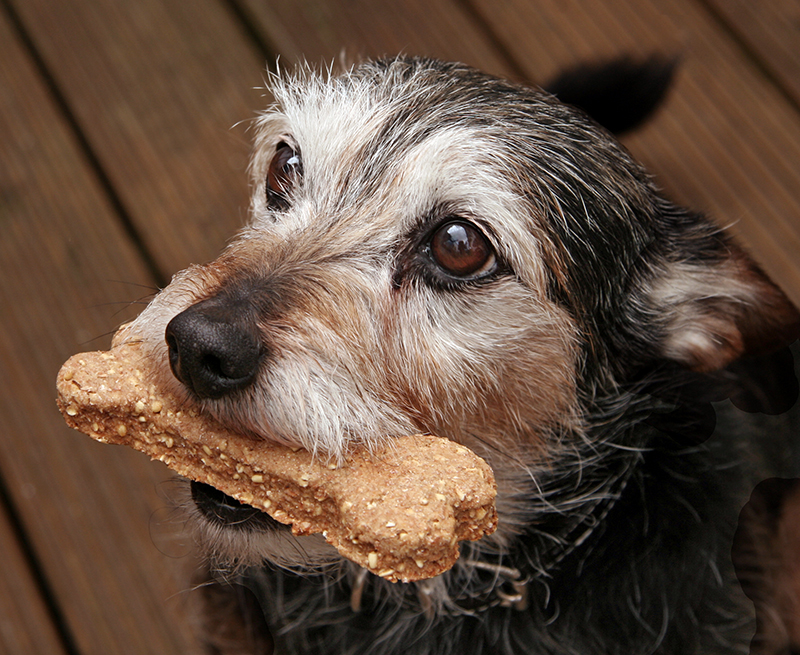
x=320 y=31
x=87 y=509
x=770 y=30
x=727 y=141
x=159 y=88
x=25 y=623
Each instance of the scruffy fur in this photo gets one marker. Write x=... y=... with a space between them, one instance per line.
x=578 y=354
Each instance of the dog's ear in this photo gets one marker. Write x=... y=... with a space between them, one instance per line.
x=716 y=310
x=620 y=94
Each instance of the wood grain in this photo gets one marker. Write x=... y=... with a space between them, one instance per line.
x=64 y=261
x=322 y=32
x=770 y=31
x=163 y=92
x=25 y=622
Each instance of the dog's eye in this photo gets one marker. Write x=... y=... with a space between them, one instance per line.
x=461 y=250
x=283 y=175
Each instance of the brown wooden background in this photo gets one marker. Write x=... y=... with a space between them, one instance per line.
x=122 y=159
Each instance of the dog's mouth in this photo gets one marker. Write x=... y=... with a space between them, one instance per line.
x=400 y=511
x=223 y=510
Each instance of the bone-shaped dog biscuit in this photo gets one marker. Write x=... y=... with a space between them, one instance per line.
x=400 y=512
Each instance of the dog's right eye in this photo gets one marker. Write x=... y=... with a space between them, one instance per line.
x=283 y=174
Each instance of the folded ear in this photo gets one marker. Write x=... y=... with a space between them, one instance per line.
x=717 y=310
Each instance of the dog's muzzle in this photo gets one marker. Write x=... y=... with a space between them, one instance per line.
x=215 y=346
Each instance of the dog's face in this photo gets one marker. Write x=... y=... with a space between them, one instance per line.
x=435 y=250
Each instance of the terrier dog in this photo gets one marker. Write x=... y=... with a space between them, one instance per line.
x=436 y=250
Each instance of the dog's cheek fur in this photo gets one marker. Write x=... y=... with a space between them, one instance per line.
x=491 y=368
x=494 y=369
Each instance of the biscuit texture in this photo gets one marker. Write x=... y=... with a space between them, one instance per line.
x=400 y=512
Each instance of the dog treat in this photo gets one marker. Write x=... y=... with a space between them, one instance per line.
x=399 y=512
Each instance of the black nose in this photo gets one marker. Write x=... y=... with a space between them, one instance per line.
x=214 y=346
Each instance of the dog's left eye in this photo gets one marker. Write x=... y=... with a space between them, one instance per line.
x=461 y=250
x=284 y=172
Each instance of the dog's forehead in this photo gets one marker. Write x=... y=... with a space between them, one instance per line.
x=360 y=138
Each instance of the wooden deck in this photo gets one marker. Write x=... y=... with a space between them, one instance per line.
x=122 y=159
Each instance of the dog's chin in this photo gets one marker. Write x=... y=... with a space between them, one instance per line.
x=236 y=536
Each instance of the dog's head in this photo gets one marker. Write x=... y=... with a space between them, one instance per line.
x=436 y=250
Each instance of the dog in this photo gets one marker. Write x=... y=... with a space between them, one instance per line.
x=433 y=249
